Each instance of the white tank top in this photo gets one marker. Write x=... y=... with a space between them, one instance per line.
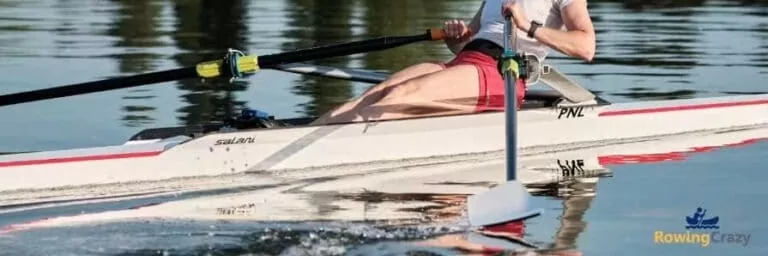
x=545 y=11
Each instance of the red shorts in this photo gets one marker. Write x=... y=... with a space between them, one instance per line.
x=491 y=89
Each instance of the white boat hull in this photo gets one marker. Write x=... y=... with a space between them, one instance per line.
x=387 y=195
x=388 y=143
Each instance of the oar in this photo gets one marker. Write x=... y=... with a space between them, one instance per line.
x=232 y=65
x=355 y=75
x=507 y=201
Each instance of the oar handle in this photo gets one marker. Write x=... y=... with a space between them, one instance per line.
x=437 y=34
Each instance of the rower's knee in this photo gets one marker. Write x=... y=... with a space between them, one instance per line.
x=400 y=93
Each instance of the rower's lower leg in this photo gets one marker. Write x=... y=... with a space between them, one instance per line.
x=377 y=92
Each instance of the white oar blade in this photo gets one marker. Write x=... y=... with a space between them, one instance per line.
x=503 y=203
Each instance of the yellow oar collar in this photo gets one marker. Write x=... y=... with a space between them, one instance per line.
x=235 y=64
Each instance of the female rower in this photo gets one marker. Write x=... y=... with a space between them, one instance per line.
x=471 y=82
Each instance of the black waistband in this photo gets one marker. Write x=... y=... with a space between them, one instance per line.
x=484 y=46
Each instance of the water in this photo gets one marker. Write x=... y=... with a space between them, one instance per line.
x=646 y=51
x=637 y=194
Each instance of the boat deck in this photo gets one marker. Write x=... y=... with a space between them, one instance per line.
x=534 y=99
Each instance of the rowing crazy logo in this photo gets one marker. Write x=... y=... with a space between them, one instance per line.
x=236 y=140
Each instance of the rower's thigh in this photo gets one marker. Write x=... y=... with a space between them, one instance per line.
x=375 y=93
x=411 y=72
x=457 y=84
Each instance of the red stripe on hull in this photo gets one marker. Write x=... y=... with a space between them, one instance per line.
x=79 y=159
x=682 y=108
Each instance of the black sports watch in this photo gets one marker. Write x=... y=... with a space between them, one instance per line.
x=532 y=29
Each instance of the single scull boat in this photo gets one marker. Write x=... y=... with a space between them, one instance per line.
x=547 y=122
x=567 y=116
x=386 y=195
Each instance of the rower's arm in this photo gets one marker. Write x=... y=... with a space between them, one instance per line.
x=455 y=45
x=579 y=39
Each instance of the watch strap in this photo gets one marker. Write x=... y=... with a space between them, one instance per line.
x=534 y=25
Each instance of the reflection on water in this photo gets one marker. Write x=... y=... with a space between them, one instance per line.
x=420 y=15
x=647 y=50
x=327 y=24
x=576 y=197
x=649 y=94
x=425 y=236
x=136 y=26
x=594 y=204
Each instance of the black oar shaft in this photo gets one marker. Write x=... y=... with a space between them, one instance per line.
x=97 y=86
x=343 y=49
x=266 y=61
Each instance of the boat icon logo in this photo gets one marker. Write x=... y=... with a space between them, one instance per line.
x=698 y=221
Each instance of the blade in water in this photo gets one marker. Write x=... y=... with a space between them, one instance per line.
x=503 y=203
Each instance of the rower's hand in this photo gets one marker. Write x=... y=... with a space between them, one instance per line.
x=512 y=8
x=455 y=29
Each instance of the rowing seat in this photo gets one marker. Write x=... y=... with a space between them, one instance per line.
x=539 y=98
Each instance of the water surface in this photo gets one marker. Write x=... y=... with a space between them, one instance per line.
x=646 y=51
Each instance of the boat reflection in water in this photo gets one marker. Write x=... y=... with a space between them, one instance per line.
x=577 y=193
x=414 y=206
